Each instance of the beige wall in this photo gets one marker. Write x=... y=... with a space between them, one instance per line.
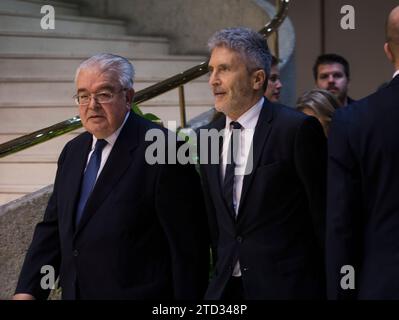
x=363 y=47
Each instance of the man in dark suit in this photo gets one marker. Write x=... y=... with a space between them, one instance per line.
x=266 y=207
x=117 y=227
x=363 y=183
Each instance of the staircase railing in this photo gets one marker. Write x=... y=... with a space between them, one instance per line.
x=148 y=93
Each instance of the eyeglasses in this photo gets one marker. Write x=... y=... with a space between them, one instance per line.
x=105 y=96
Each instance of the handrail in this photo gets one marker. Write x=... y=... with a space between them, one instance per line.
x=161 y=87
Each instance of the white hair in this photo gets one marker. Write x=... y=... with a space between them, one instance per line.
x=108 y=62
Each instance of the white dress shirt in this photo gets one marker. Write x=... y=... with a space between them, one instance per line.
x=108 y=148
x=248 y=122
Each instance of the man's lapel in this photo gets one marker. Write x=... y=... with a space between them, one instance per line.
x=73 y=178
x=394 y=81
x=261 y=134
x=119 y=160
x=214 y=170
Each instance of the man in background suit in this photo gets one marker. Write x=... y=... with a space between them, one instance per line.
x=363 y=183
x=115 y=226
x=266 y=207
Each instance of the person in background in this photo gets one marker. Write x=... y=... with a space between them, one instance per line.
x=274 y=84
x=363 y=181
x=320 y=104
x=331 y=72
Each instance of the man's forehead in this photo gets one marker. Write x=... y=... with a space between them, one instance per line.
x=99 y=86
x=330 y=67
x=274 y=70
x=223 y=54
x=95 y=77
x=94 y=71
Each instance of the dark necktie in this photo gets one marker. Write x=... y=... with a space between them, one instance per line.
x=89 y=177
x=228 y=184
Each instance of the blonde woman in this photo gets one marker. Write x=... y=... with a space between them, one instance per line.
x=320 y=104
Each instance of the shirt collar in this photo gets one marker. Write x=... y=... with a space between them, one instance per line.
x=249 y=119
x=112 y=138
x=395 y=74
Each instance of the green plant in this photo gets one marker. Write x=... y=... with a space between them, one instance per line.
x=149 y=116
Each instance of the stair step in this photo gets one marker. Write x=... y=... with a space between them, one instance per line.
x=25 y=174
x=63 y=91
x=48 y=151
x=26 y=120
x=29 y=22
x=8 y=197
x=55 y=67
x=17 y=185
x=17 y=189
x=72 y=45
x=32 y=6
x=36 y=82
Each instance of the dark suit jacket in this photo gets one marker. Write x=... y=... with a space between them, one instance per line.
x=363 y=199
x=143 y=234
x=350 y=100
x=279 y=231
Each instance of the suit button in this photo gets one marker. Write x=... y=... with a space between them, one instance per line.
x=239 y=239
x=75 y=253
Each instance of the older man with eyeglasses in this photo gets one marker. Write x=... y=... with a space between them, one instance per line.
x=117 y=227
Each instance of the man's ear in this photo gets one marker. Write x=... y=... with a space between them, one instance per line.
x=129 y=96
x=388 y=52
x=259 y=78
